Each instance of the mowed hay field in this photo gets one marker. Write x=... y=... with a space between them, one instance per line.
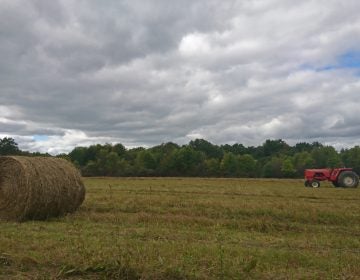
x=180 y=228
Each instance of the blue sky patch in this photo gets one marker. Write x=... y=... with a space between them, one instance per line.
x=40 y=138
x=349 y=60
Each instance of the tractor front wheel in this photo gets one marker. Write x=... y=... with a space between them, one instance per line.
x=348 y=179
x=315 y=184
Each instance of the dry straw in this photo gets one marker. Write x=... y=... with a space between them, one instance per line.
x=38 y=188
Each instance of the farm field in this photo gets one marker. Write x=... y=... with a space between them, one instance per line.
x=186 y=228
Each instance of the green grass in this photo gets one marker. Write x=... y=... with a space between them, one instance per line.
x=192 y=229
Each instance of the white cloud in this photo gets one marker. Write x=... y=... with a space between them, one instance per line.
x=142 y=74
x=57 y=144
x=194 y=44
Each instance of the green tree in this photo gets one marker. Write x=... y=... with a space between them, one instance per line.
x=8 y=146
x=274 y=158
x=105 y=162
x=246 y=166
x=287 y=168
x=351 y=158
x=145 y=164
x=302 y=161
x=210 y=150
x=275 y=147
x=229 y=165
x=91 y=169
x=112 y=164
x=78 y=156
x=306 y=147
x=236 y=149
x=164 y=148
x=119 y=149
x=272 y=169
x=131 y=154
x=163 y=156
x=326 y=157
x=187 y=162
x=212 y=167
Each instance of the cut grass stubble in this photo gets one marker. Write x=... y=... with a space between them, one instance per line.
x=160 y=228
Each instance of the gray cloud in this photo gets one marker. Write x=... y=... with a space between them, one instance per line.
x=146 y=72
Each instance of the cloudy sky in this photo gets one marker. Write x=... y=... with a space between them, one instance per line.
x=78 y=72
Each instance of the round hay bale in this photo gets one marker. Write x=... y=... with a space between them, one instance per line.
x=38 y=188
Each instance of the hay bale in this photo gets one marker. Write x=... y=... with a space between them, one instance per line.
x=38 y=188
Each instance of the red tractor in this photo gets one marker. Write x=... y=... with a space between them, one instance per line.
x=340 y=177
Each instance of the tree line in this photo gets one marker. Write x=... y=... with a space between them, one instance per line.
x=200 y=158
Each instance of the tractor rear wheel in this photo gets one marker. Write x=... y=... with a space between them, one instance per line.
x=315 y=184
x=348 y=179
